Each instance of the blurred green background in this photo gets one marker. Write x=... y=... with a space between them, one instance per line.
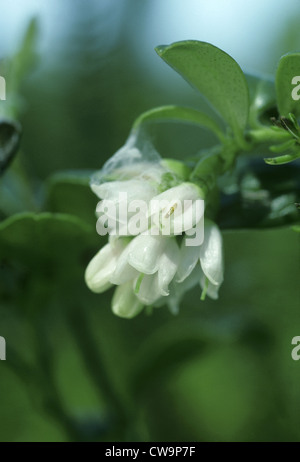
x=219 y=371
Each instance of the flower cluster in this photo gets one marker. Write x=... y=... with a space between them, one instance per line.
x=157 y=264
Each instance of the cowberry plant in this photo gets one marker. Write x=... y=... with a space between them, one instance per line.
x=155 y=271
x=249 y=179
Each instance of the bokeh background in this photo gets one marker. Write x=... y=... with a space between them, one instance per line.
x=220 y=371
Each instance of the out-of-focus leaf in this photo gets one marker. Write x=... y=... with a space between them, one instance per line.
x=49 y=244
x=10 y=133
x=288 y=69
x=264 y=198
x=262 y=99
x=216 y=75
x=15 y=70
x=25 y=56
x=15 y=193
x=284 y=159
x=177 y=343
x=69 y=192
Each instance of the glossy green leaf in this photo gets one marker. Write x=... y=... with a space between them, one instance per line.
x=288 y=85
x=216 y=75
x=179 y=114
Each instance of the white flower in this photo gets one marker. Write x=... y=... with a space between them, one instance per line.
x=102 y=266
x=122 y=199
x=152 y=270
x=210 y=257
x=149 y=287
x=161 y=262
x=124 y=302
x=178 y=209
x=150 y=263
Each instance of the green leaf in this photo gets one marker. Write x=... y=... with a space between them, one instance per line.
x=179 y=114
x=216 y=75
x=285 y=159
x=49 y=244
x=278 y=148
x=288 y=68
x=25 y=56
x=70 y=193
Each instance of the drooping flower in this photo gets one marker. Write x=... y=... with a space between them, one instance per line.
x=156 y=262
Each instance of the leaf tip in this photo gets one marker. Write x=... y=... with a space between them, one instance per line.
x=160 y=49
x=270 y=160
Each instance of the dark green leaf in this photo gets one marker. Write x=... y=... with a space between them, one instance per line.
x=216 y=75
x=52 y=244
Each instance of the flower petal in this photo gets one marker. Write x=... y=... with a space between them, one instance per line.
x=148 y=290
x=145 y=251
x=124 y=271
x=184 y=191
x=124 y=303
x=211 y=290
x=188 y=259
x=102 y=266
x=168 y=266
x=177 y=209
x=178 y=290
x=134 y=189
x=189 y=216
x=211 y=253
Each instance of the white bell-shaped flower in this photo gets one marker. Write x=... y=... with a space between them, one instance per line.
x=124 y=303
x=102 y=266
x=177 y=209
